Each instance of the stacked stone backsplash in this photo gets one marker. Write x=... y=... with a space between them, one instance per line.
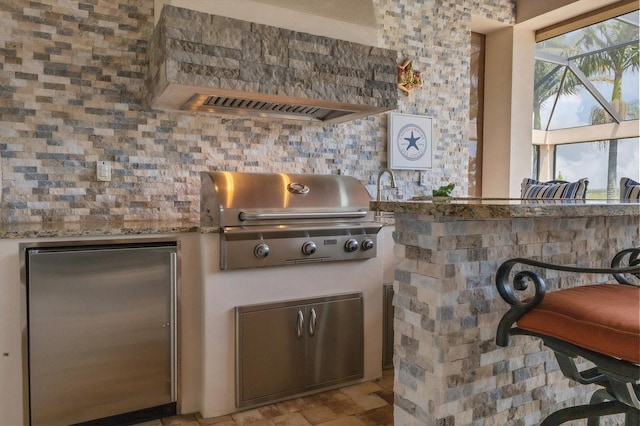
x=71 y=94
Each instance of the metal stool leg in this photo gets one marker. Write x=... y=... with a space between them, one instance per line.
x=632 y=418
x=601 y=395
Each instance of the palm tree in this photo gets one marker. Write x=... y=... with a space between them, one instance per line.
x=600 y=116
x=616 y=51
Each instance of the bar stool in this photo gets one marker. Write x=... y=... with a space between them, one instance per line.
x=599 y=322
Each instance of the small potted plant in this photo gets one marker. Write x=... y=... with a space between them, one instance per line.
x=444 y=191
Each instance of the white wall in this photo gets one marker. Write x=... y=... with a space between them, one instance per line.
x=11 y=325
x=508 y=111
x=354 y=21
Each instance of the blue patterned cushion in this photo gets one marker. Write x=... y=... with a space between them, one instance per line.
x=629 y=189
x=532 y=188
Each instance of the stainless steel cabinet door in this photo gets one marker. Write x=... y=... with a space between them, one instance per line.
x=285 y=348
x=100 y=338
x=271 y=353
x=335 y=344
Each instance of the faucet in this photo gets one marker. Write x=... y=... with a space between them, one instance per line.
x=393 y=181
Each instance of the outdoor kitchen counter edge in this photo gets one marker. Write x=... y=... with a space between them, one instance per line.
x=97 y=229
x=479 y=208
x=10 y=231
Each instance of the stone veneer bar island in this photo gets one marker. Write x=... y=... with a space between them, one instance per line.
x=448 y=369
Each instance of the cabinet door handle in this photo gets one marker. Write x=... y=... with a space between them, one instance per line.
x=300 y=325
x=312 y=323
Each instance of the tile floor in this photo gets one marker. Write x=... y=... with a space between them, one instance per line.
x=368 y=404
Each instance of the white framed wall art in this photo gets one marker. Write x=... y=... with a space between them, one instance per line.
x=410 y=143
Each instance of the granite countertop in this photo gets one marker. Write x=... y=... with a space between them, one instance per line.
x=493 y=208
x=472 y=208
x=115 y=229
x=97 y=229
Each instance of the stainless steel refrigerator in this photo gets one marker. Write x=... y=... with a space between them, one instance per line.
x=101 y=332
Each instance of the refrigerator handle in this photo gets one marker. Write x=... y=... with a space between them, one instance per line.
x=174 y=326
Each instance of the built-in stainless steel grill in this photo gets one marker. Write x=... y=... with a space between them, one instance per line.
x=271 y=219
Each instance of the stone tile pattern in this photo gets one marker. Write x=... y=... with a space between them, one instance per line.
x=436 y=35
x=447 y=365
x=214 y=51
x=364 y=404
x=71 y=93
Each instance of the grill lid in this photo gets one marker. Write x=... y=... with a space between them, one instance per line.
x=238 y=199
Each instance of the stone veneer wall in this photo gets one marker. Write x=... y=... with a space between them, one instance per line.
x=449 y=370
x=71 y=90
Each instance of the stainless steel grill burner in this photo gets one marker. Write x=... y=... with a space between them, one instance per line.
x=270 y=219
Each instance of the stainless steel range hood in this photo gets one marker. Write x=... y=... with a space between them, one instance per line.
x=223 y=104
x=255 y=104
x=216 y=64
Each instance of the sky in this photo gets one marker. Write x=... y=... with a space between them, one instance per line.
x=589 y=159
x=575 y=110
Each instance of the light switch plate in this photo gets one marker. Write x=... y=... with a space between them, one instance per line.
x=103 y=171
x=423 y=179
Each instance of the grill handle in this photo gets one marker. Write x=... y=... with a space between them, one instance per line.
x=248 y=216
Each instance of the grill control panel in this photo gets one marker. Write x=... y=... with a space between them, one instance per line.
x=239 y=253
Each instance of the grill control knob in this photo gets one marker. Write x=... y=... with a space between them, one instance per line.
x=351 y=245
x=309 y=248
x=261 y=251
x=367 y=244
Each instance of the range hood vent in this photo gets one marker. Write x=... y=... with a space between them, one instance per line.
x=254 y=107
x=213 y=64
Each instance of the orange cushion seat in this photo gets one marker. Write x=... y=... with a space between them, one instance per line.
x=603 y=318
